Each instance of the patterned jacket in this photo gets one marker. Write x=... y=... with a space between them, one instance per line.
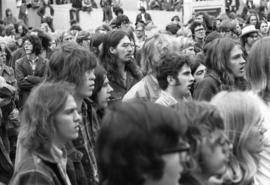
x=85 y=143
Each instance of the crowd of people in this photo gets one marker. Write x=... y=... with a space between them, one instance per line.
x=188 y=104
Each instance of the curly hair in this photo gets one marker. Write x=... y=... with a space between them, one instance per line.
x=157 y=45
x=203 y=119
x=170 y=65
x=24 y=29
x=44 y=38
x=35 y=41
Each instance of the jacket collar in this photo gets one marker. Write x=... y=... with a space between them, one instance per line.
x=5 y=68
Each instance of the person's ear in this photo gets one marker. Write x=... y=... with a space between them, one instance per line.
x=171 y=81
x=112 y=50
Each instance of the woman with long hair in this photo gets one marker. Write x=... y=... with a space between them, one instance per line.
x=258 y=70
x=253 y=19
x=258 y=74
x=243 y=120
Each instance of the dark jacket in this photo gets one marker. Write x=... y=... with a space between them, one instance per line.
x=27 y=78
x=41 y=11
x=155 y=5
x=147 y=17
x=40 y=168
x=192 y=179
x=6 y=166
x=91 y=126
x=17 y=54
x=208 y=87
x=76 y=4
x=119 y=87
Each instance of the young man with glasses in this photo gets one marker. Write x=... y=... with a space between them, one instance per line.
x=140 y=34
x=198 y=33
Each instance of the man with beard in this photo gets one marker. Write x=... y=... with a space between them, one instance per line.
x=174 y=78
x=118 y=60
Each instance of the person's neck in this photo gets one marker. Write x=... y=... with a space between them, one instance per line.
x=141 y=38
x=171 y=91
x=204 y=177
x=79 y=102
x=199 y=40
x=247 y=48
x=31 y=56
x=121 y=68
x=59 y=143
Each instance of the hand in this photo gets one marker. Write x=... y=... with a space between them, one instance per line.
x=13 y=115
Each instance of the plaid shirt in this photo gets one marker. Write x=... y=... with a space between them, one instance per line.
x=85 y=143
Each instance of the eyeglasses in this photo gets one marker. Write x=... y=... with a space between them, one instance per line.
x=200 y=29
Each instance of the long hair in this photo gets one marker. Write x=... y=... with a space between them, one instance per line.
x=258 y=66
x=202 y=117
x=218 y=57
x=38 y=115
x=253 y=13
x=107 y=59
x=240 y=112
x=45 y=38
x=100 y=74
x=69 y=62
